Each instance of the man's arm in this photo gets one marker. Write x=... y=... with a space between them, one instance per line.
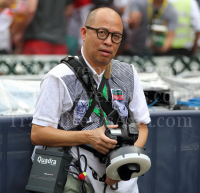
x=142 y=136
x=52 y=137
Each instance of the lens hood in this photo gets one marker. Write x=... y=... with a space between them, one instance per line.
x=127 y=162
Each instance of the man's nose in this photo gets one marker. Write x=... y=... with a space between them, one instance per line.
x=108 y=40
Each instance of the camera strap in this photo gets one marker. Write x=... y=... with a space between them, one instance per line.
x=83 y=73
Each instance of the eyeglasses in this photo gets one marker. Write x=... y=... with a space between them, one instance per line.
x=104 y=33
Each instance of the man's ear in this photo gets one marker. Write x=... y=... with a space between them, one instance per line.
x=83 y=33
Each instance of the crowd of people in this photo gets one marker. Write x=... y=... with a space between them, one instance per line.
x=151 y=27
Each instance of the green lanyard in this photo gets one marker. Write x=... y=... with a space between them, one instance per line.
x=97 y=111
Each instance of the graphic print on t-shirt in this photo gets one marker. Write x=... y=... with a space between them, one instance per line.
x=79 y=111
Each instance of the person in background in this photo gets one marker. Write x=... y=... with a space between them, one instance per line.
x=188 y=28
x=142 y=15
x=43 y=30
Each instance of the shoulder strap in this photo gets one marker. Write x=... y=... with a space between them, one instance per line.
x=81 y=71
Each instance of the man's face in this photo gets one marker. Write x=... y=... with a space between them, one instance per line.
x=99 y=52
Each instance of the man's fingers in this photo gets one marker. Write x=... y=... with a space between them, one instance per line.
x=112 y=126
x=109 y=145
x=108 y=141
x=110 y=181
x=103 y=150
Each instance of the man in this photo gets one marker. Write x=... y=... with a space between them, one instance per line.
x=142 y=13
x=62 y=97
x=185 y=42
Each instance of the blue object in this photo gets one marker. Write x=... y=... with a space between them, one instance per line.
x=195 y=102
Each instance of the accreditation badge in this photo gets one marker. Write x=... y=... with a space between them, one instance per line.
x=79 y=112
x=118 y=103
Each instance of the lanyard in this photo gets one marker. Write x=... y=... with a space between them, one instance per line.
x=97 y=111
x=160 y=11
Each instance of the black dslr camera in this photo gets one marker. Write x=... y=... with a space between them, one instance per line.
x=126 y=134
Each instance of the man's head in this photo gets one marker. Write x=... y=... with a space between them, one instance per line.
x=98 y=49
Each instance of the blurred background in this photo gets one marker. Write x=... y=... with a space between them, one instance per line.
x=161 y=41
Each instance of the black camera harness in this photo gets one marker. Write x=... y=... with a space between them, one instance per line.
x=82 y=72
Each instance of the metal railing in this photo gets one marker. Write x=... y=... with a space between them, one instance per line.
x=23 y=65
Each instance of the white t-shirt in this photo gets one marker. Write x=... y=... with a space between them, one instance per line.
x=54 y=99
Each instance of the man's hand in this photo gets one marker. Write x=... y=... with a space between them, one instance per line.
x=100 y=141
x=110 y=181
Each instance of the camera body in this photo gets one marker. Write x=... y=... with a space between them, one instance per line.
x=127 y=134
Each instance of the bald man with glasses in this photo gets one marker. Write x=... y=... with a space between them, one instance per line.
x=62 y=101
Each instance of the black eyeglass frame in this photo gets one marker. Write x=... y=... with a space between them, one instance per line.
x=112 y=34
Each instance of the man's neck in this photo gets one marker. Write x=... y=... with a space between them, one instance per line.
x=98 y=69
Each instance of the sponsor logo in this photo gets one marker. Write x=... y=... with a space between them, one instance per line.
x=50 y=161
x=117 y=95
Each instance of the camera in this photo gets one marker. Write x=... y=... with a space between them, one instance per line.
x=126 y=161
x=126 y=134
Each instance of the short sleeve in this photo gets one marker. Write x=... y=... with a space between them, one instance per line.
x=52 y=101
